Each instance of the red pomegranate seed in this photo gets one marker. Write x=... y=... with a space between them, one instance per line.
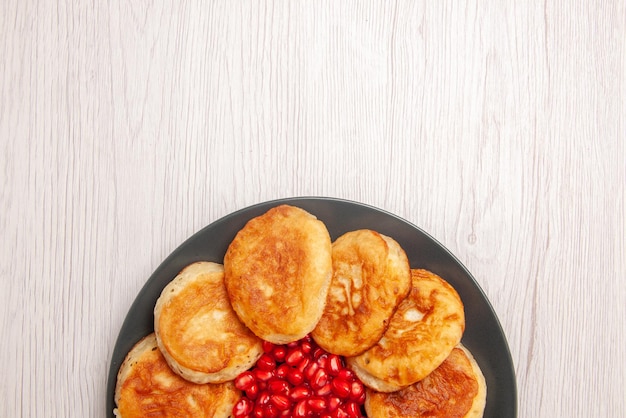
x=304 y=363
x=320 y=379
x=266 y=362
x=270 y=411
x=268 y=346
x=317 y=404
x=317 y=352
x=258 y=412
x=280 y=401
x=244 y=380
x=294 y=357
x=295 y=377
x=323 y=361
x=340 y=413
x=243 y=407
x=310 y=370
x=264 y=398
x=263 y=375
x=300 y=392
x=341 y=387
x=356 y=390
x=276 y=385
x=279 y=352
x=253 y=391
x=335 y=365
x=353 y=410
x=301 y=409
x=333 y=403
x=324 y=390
x=346 y=374
x=282 y=371
x=306 y=347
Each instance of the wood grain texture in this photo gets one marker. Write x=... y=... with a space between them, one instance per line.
x=499 y=128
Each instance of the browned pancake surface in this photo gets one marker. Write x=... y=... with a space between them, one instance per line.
x=427 y=325
x=147 y=387
x=371 y=275
x=197 y=330
x=456 y=389
x=278 y=270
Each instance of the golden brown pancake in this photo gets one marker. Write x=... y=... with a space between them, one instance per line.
x=456 y=389
x=278 y=270
x=147 y=387
x=371 y=275
x=197 y=330
x=427 y=325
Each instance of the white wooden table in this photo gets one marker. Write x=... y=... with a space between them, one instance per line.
x=498 y=127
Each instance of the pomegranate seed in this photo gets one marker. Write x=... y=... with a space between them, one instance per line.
x=306 y=347
x=356 y=390
x=264 y=398
x=280 y=401
x=258 y=412
x=340 y=413
x=317 y=352
x=301 y=410
x=244 y=380
x=353 y=409
x=333 y=403
x=317 y=404
x=268 y=346
x=242 y=408
x=320 y=379
x=295 y=377
x=293 y=344
x=263 y=375
x=275 y=385
x=323 y=361
x=294 y=357
x=266 y=362
x=270 y=411
x=341 y=387
x=310 y=370
x=346 y=374
x=279 y=353
x=335 y=365
x=324 y=390
x=361 y=399
x=282 y=371
x=299 y=392
x=253 y=391
x=304 y=363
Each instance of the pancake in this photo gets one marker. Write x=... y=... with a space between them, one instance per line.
x=147 y=387
x=371 y=275
x=197 y=330
x=422 y=332
x=456 y=389
x=277 y=273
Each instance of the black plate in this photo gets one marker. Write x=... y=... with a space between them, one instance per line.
x=483 y=334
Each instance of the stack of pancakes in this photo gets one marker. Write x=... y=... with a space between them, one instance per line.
x=282 y=278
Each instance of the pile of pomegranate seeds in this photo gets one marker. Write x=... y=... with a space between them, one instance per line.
x=299 y=380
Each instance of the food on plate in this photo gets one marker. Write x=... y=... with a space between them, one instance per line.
x=146 y=386
x=422 y=332
x=294 y=325
x=299 y=379
x=277 y=273
x=455 y=389
x=371 y=275
x=199 y=334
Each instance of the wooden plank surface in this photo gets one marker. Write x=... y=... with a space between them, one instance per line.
x=499 y=128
